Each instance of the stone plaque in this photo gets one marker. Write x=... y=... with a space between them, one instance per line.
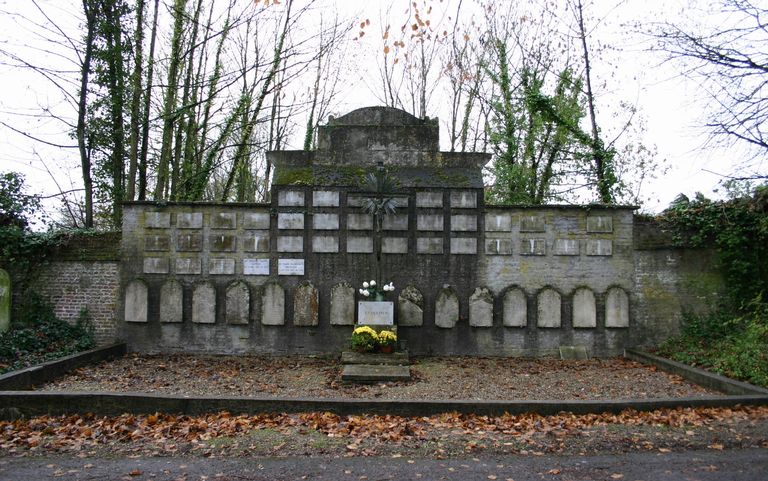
x=188 y=265
x=223 y=243
x=463 y=223
x=498 y=223
x=257 y=241
x=325 y=221
x=290 y=243
x=156 y=243
x=532 y=223
x=325 y=244
x=498 y=246
x=375 y=313
x=256 y=267
x=171 y=295
x=515 y=313
x=429 y=199
x=566 y=247
x=342 y=305
x=290 y=198
x=599 y=247
x=429 y=222
x=189 y=243
x=157 y=220
x=464 y=199
x=256 y=220
x=616 y=308
x=463 y=245
x=481 y=308
x=410 y=307
x=325 y=198
x=189 y=220
x=237 y=307
x=359 y=245
x=395 y=222
x=549 y=310
x=598 y=223
x=306 y=305
x=204 y=304
x=219 y=266
x=273 y=305
x=429 y=245
x=293 y=221
x=156 y=265
x=532 y=247
x=584 y=310
x=136 y=302
x=290 y=267
x=224 y=220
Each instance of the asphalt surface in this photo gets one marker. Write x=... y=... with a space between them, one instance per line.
x=727 y=465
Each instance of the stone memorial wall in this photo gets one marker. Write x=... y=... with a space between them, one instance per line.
x=470 y=278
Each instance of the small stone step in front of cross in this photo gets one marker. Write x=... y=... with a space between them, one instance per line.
x=372 y=368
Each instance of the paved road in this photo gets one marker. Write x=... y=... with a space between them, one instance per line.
x=747 y=465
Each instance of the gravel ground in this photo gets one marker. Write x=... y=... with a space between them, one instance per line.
x=434 y=378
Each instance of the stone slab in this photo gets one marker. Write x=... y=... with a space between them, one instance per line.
x=533 y=247
x=599 y=247
x=375 y=373
x=498 y=246
x=549 y=309
x=157 y=220
x=599 y=223
x=429 y=245
x=325 y=221
x=290 y=220
x=224 y=220
x=394 y=245
x=156 y=265
x=375 y=313
x=446 y=309
x=290 y=198
x=584 y=309
x=325 y=198
x=566 y=247
x=273 y=305
x=359 y=245
x=616 y=308
x=188 y=265
x=325 y=244
x=221 y=266
x=395 y=222
x=359 y=222
x=306 y=306
x=342 y=305
x=157 y=242
x=410 y=307
x=464 y=223
x=531 y=223
x=429 y=199
x=237 y=306
x=189 y=220
x=256 y=241
x=189 y=243
x=256 y=267
x=290 y=267
x=290 y=243
x=573 y=353
x=515 y=309
x=481 y=308
x=463 y=245
x=392 y=359
x=256 y=220
x=498 y=223
x=223 y=243
x=136 y=302
x=429 y=222
x=463 y=199
x=204 y=304
x=171 y=302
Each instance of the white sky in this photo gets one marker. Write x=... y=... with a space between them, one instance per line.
x=669 y=104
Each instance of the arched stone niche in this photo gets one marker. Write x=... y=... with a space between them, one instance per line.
x=481 y=308
x=584 y=308
x=171 y=302
x=204 y=303
x=446 y=308
x=238 y=303
x=616 y=308
x=515 y=308
x=136 y=301
x=410 y=307
x=342 y=305
x=549 y=310
x=273 y=304
x=306 y=305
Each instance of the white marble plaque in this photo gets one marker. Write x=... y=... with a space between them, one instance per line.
x=290 y=267
x=375 y=313
x=256 y=267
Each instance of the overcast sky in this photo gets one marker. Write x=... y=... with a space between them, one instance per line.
x=671 y=105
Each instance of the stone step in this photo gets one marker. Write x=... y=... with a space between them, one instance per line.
x=393 y=359
x=371 y=374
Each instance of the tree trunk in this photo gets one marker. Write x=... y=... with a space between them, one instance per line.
x=85 y=70
x=142 y=194
x=136 y=84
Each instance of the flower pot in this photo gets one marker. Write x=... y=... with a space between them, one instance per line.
x=386 y=349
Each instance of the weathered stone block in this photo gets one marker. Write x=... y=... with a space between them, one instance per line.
x=395 y=222
x=325 y=221
x=256 y=267
x=533 y=247
x=464 y=223
x=599 y=223
x=515 y=308
x=171 y=302
x=257 y=241
x=616 y=308
x=189 y=220
x=188 y=265
x=325 y=244
x=342 y=305
x=291 y=220
x=481 y=308
x=463 y=245
x=530 y=223
x=218 y=266
x=5 y=300
x=204 y=304
x=394 y=245
x=355 y=200
x=566 y=247
x=156 y=265
x=446 y=308
x=290 y=198
x=429 y=245
x=157 y=242
x=224 y=220
x=410 y=307
x=549 y=309
x=273 y=305
x=238 y=303
x=136 y=301
x=256 y=220
x=306 y=305
x=429 y=222
x=599 y=247
x=223 y=243
x=463 y=199
x=189 y=243
x=157 y=220
x=429 y=199
x=359 y=222
x=290 y=244
x=290 y=267
x=359 y=245
x=325 y=198
x=498 y=222
x=584 y=309
x=498 y=246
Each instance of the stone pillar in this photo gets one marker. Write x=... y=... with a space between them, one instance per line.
x=342 y=305
x=5 y=301
x=481 y=308
x=446 y=308
x=410 y=307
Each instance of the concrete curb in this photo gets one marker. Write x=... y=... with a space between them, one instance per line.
x=696 y=375
x=33 y=403
x=42 y=373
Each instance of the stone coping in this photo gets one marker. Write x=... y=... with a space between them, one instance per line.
x=27 y=378
x=696 y=375
x=34 y=403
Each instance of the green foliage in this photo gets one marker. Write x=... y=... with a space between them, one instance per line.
x=16 y=207
x=735 y=347
x=38 y=335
